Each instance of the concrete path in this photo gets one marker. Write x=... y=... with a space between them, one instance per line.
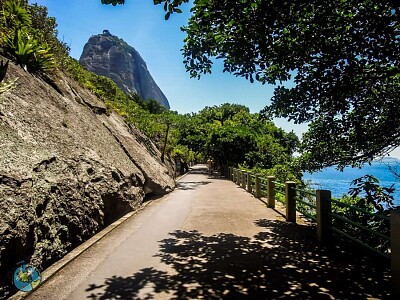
x=210 y=239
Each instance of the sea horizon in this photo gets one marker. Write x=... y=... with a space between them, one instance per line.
x=339 y=182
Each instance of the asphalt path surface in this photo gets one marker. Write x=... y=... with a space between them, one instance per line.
x=210 y=239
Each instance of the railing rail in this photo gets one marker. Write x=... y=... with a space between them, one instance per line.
x=350 y=237
x=318 y=207
x=310 y=205
x=358 y=225
x=361 y=210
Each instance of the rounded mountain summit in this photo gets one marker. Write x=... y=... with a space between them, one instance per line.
x=108 y=55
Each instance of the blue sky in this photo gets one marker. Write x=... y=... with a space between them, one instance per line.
x=141 y=24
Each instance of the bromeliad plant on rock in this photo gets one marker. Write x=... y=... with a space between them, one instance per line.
x=28 y=52
x=18 y=42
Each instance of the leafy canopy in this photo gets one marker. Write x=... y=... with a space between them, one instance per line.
x=231 y=135
x=113 y=2
x=341 y=56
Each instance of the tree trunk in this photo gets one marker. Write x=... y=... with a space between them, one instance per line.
x=165 y=143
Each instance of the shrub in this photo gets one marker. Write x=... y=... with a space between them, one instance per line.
x=28 y=52
x=18 y=43
x=370 y=196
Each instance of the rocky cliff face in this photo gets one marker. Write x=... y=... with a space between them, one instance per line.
x=107 y=55
x=67 y=169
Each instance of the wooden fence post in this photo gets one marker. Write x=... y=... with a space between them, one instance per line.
x=229 y=173
x=271 y=191
x=290 y=194
x=238 y=177
x=244 y=179
x=249 y=187
x=324 y=218
x=258 y=186
x=395 y=251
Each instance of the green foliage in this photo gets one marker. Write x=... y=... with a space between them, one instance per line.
x=370 y=196
x=27 y=52
x=44 y=28
x=113 y=2
x=341 y=56
x=15 y=14
x=21 y=41
x=171 y=6
x=231 y=135
x=101 y=86
x=345 y=199
x=5 y=86
x=285 y=172
x=153 y=106
x=229 y=143
x=184 y=152
x=147 y=115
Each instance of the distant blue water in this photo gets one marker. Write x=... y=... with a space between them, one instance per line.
x=339 y=182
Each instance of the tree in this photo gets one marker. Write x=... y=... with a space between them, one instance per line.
x=166 y=118
x=342 y=57
x=153 y=106
x=223 y=112
x=44 y=28
x=231 y=135
x=113 y=2
x=345 y=57
x=193 y=132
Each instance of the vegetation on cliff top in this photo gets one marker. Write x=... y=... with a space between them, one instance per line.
x=342 y=56
x=29 y=37
x=228 y=133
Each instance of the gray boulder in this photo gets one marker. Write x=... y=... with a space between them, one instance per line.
x=108 y=55
x=67 y=170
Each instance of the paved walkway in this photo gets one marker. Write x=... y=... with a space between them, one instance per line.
x=209 y=239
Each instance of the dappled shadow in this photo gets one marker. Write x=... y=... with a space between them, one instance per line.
x=192 y=185
x=198 y=170
x=204 y=171
x=282 y=261
x=118 y=287
x=217 y=176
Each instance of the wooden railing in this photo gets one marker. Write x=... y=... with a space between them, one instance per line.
x=317 y=207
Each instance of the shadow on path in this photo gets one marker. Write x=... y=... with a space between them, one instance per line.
x=193 y=185
x=204 y=171
x=281 y=262
x=198 y=170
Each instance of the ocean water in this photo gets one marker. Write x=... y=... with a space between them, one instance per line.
x=339 y=182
